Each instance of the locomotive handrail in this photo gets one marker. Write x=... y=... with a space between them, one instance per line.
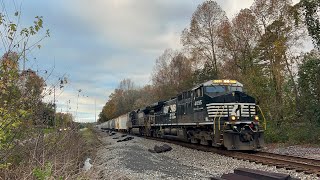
x=214 y=121
x=264 y=119
x=220 y=118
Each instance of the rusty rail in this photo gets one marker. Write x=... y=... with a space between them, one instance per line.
x=299 y=164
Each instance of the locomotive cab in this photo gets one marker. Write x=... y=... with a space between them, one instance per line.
x=234 y=115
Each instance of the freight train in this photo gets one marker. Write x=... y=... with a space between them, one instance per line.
x=216 y=113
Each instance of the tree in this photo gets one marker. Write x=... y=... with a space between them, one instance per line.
x=14 y=112
x=201 y=39
x=47 y=111
x=147 y=96
x=63 y=120
x=32 y=87
x=11 y=108
x=278 y=35
x=122 y=100
x=309 y=103
x=172 y=74
x=312 y=18
x=309 y=78
x=239 y=38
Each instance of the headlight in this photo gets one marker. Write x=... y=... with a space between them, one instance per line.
x=233 y=118
x=256 y=118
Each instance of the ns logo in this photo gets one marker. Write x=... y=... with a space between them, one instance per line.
x=236 y=110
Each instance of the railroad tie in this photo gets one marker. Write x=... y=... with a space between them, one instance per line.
x=252 y=174
x=263 y=175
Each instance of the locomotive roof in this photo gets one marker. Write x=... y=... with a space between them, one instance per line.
x=220 y=82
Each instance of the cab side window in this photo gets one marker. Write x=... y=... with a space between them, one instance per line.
x=198 y=92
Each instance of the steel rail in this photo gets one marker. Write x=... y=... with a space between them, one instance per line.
x=299 y=164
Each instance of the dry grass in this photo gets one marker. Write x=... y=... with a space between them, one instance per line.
x=58 y=155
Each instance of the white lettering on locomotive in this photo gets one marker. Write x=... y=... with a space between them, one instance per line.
x=198 y=103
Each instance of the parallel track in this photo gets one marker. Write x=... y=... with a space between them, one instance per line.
x=299 y=164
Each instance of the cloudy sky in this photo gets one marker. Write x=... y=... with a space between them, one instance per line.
x=97 y=43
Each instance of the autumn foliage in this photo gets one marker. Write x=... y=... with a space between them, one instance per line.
x=261 y=46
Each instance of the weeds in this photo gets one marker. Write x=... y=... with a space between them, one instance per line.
x=58 y=155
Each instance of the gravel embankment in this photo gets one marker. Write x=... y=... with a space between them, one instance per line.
x=296 y=150
x=132 y=160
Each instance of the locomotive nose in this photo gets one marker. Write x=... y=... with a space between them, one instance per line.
x=239 y=96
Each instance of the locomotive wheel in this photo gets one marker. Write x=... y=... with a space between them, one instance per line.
x=203 y=141
x=194 y=140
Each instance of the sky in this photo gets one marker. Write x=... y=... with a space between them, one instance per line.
x=97 y=43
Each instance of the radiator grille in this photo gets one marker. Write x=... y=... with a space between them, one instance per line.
x=223 y=109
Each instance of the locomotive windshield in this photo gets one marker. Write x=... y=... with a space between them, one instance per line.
x=216 y=89
x=235 y=88
x=220 y=89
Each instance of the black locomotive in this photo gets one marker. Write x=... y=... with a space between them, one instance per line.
x=216 y=113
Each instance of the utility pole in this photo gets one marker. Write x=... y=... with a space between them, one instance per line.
x=23 y=73
x=24 y=57
x=95 y=115
x=54 y=105
x=54 y=98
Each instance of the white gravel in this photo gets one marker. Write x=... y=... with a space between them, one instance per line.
x=296 y=150
x=132 y=160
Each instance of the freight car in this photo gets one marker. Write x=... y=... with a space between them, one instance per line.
x=122 y=123
x=104 y=126
x=216 y=113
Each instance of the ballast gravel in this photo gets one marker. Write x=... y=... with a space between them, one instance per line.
x=295 y=150
x=132 y=160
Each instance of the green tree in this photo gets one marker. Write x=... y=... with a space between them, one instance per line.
x=312 y=18
x=278 y=35
x=14 y=106
x=63 y=120
x=309 y=78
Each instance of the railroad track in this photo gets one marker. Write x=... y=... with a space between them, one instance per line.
x=299 y=164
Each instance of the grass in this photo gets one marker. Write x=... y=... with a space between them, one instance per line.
x=293 y=134
x=59 y=154
x=48 y=130
x=88 y=136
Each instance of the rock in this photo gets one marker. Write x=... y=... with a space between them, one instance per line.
x=87 y=165
x=126 y=139
x=115 y=138
x=167 y=147
x=112 y=133
x=158 y=149
x=151 y=150
x=124 y=135
x=163 y=148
